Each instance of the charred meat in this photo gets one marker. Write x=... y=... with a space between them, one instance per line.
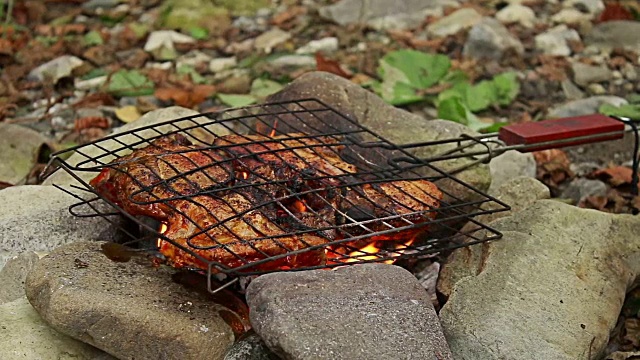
x=250 y=197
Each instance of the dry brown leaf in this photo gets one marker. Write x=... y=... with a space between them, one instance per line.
x=288 y=15
x=95 y=100
x=187 y=98
x=328 y=65
x=91 y=122
x=632 y=332
x=127 y=114
x=552 y=166
x=594 y=202
x=616 y=175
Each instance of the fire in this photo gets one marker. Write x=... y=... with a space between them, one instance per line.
x=272 y=133
x=370 y=252
x=163 y=228
x=244 y=175
x=299 y=206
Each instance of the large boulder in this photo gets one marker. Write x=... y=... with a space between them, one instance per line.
x=357 y=312
x=552 y=288
x=37 y=218
x=131 y=309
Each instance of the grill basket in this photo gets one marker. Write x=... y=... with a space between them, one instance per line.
x=282 y=186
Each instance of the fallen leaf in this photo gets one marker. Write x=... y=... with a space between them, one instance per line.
x=331 y=66
x=128 y=114
x=237 y=100
x=632 y=332
x=91 y=122
x=616 y=176
x=95 y=100
x=186 y=97
x=289 y=14
x=552 y=166
x=130 y=83
x=594 y=202
x=614 y=11
x=261 y=88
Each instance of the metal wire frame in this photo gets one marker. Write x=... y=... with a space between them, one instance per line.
x=380 y=163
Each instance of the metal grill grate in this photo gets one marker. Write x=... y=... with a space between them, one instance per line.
x=282 y=186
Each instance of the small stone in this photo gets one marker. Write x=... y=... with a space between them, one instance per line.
x=91 y=84
x=580 y=188
x=586 y=106
x=510 y=165
x=615 y=34
x=517 y=13
x=571 y=16
x=343 y=314
x=14 y=273
x=106 y=304
x=489 y=39
x=250 y=347
x=26 y=336
x=235 y=85
x=294 y=61
x=554 y=41
x=571 y=91
x=584 y=74
x=56 y=69
x=630 y=72
x=328 y=44
x=268 y=40
x=596 y=89
x=93 y=5
x=193 y=58
x=592 y=6
x=458 y=20
x=219 y=64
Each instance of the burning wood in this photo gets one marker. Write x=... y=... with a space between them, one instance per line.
x=270 y=203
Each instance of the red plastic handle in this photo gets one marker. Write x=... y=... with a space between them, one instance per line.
x=558 y=132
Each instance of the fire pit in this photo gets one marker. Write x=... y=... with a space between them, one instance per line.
x=287 y=186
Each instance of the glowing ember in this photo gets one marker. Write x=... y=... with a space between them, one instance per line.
x=369 y=252
x=244 y=175
x=272 y=133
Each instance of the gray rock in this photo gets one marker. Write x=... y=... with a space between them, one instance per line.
x=584 y=74
x=458 y=20
x=580 y=188
x=80 y=292
x=156 y=117
x=270 y=39
x=220 y=64
x=37 y=218
x=615 y=34
x=555 y=41
x=489 y=39
x=250 y=347
x=517 y=13
x=19 y=147
x=551 y=289
x=14 y=273
x=510 y=165
x=382 y=13
x=293 y=62
x=586 y=106
x=56 y=69
x=328 y=44
x=571 y=91
x=396 y=125
x=23 y=335
x=371 y=311
x=592 y=6
x=623 y=355
x=571 y=16
x=596 y=89
x=518 y=193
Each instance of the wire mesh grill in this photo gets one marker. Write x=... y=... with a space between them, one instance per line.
x=282 y=186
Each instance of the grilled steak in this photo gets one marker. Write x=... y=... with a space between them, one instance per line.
x=249 y=198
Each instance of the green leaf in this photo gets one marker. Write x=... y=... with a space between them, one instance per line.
x=237 y=100
x=493 y=127
x=507 y=87
x=453 y=109
x=634 y=98
x=404 y=72
x=130 y=83
x=198 y=33
x=631 y=111
x=193 y=74
x=481 y=95
x=93 y=38
x=94 y=73
x=261 y=88
x=140 y=29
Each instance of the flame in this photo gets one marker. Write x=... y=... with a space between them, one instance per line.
x=299 y=206
x=272 y=133
x=369 y=252
x=244 y=175
x=163 y=228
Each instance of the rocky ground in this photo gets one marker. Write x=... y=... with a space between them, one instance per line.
x=74 y=71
